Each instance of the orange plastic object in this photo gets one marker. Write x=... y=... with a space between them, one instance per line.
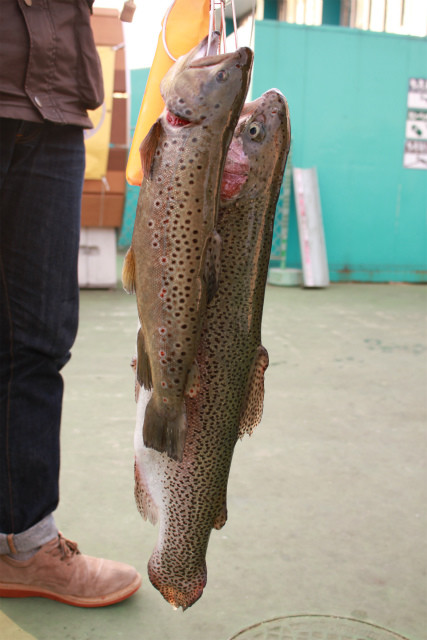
x=187 y=24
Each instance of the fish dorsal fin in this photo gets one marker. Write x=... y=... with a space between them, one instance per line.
x=143 y=368
x=253 y=404
x=148 y=147
x=128 y=272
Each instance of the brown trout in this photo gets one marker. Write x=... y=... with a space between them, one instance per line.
x=188 y=498
x=173 y=262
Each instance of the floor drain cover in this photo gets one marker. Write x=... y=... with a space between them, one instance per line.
x=315 y=628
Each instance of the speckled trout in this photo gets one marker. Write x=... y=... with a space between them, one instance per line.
x=173 y=262
x=188 y=498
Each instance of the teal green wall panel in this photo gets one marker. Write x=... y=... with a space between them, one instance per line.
x=347 y=93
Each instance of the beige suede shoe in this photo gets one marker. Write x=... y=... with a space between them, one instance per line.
x=60 y=572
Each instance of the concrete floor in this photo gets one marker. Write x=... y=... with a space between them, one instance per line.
x=326 y=499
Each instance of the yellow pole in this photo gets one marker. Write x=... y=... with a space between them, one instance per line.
x=187 y=24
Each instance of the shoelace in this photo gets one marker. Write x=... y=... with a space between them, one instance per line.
x=66 y=548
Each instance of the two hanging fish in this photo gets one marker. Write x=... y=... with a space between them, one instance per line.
x=200 y=361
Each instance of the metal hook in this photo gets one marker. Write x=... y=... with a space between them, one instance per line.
x=233 y=12
x=222 y=4
x=164 y=32
x=212 y=25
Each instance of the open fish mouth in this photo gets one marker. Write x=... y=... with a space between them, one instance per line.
x=207 y=50
x=213 y=60
x=176 y=120
x=209 y=56
x=185 y=87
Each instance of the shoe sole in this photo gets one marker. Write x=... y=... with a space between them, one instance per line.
x=20 y=591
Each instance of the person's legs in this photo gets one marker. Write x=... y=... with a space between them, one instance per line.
x=41 y=175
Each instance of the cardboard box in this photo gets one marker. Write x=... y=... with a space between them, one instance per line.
x=115 y=182
x=103 y=200
x=120 y=123
x=102 y=209
x=107 y=27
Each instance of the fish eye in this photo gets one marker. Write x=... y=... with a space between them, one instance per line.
x=256 y=131
x=222 y=75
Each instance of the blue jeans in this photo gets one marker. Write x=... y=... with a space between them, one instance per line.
x=41 y=179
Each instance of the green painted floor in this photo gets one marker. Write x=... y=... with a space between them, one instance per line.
x=327 y=499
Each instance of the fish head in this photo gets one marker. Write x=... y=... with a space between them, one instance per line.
x=202 y=86
x=262 y=133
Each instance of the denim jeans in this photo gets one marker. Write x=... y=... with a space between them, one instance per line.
x=41 y=178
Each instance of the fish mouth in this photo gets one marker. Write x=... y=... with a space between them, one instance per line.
x=176 y=120
x=213 y=60
x=207 y=55
x=258 y=108
x=206 y=50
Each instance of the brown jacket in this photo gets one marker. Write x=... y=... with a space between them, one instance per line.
x=49 y=67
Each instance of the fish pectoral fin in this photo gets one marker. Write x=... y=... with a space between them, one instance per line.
x=143 y=367
x=192 y=386
x=148 y=147
x=165 y=431
x=251 y=413
x=128 y=272
x=133 y=363
x=212 y=265
x=144 y=502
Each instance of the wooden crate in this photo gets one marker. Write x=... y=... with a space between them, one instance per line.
x=103 y=200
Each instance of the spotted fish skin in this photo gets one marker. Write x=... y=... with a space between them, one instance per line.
x=188 y=498
x=175 y=252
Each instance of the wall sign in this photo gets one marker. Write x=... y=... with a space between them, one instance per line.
x=415 y=154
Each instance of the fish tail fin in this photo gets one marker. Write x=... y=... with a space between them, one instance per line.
x=128 y=272
x=164 y=431
x=149 y=146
